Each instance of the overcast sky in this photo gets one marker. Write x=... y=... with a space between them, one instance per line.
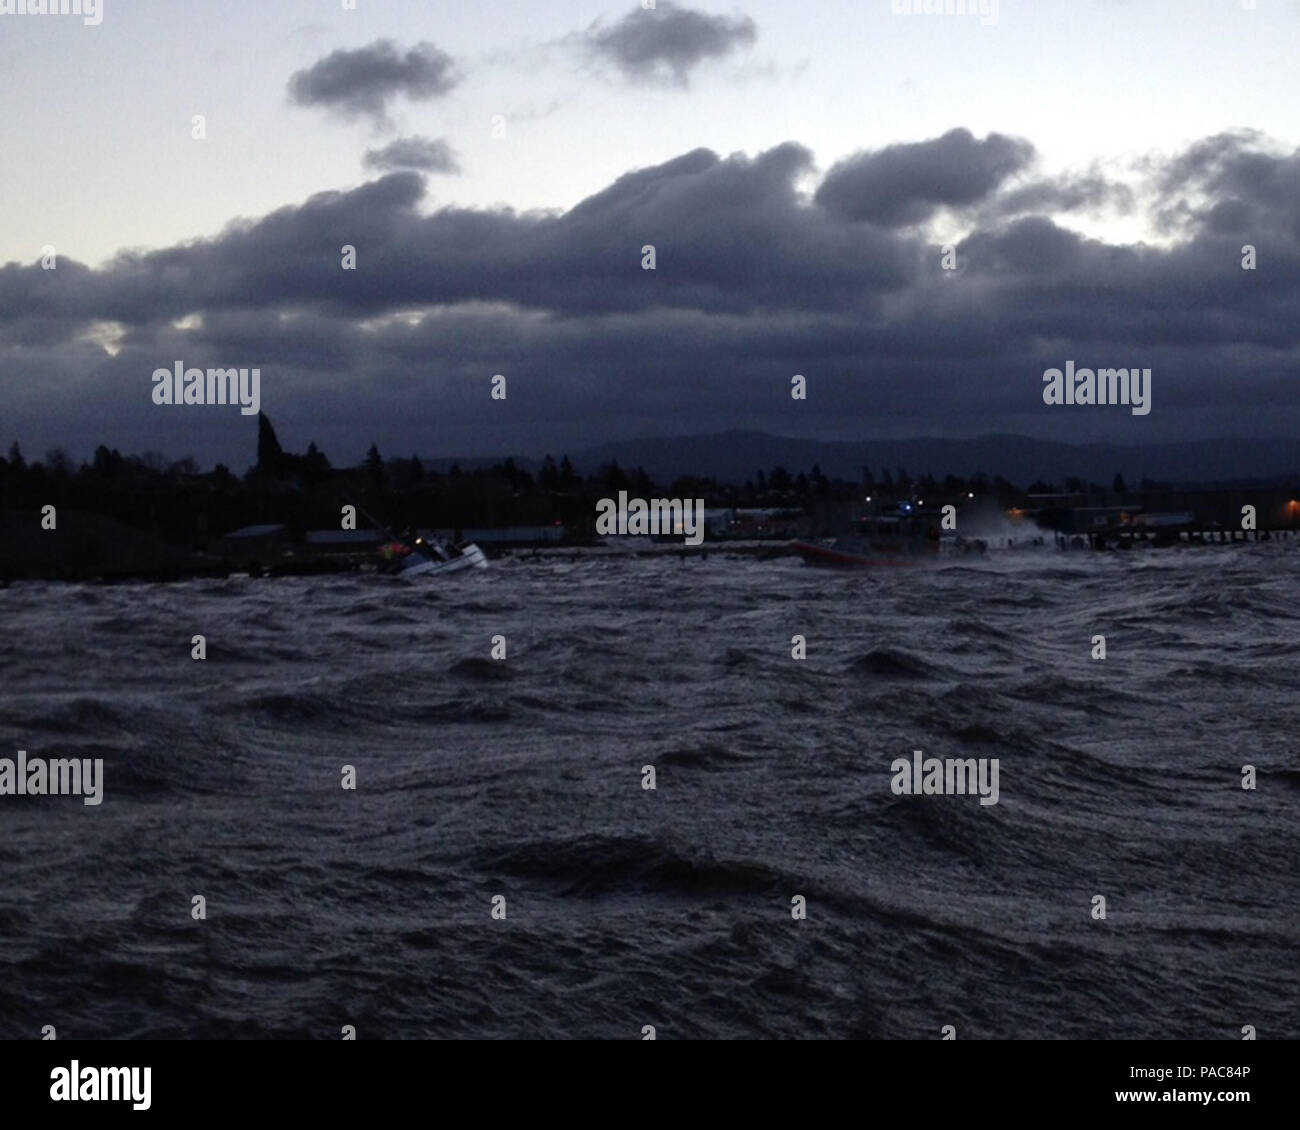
x=499 y=167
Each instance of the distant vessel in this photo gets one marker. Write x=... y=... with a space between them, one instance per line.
x=420 y=557
x=410 y=554
x=896 y=535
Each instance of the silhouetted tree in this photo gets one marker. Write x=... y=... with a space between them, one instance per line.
x=315 y=460
x=613 y=476
x=821 y=485
x=375 y=467
x=58 y=463
x=269 y=451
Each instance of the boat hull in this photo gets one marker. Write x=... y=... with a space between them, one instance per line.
x=832 y=557
x=471 y=557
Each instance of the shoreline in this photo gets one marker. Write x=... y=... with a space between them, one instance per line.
x=175 y=572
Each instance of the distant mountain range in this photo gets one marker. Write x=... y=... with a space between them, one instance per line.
x=735 y=456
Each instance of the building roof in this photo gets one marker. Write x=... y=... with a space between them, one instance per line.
x=505 y=534
x=344 y=537
x=254 y=531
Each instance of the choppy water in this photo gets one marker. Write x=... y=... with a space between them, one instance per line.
x=673 y=908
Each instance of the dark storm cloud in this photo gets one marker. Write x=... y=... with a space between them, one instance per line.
x=364 y=81
x=668 y=41
x=1089 y=192
x=730 y=235
x=904 y=184
x=754 y=282
x=1228 y=184
x=423 y=153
